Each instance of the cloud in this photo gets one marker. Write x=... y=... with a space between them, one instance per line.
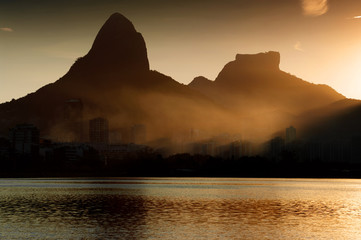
x=314 y=7
x=6 y=29
x=298 y=47
x=356 y=17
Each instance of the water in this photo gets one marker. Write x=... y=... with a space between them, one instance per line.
x=178 y=208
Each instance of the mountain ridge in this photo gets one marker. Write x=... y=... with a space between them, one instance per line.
x=245 y=78
x=114 y=80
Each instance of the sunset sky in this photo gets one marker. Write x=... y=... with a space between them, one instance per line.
x=319 y=40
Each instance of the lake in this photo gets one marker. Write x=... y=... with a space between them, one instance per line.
x=180 y=208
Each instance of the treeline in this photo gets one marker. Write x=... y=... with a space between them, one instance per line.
x=152 y=164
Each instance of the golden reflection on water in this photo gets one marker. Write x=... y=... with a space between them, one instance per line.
x=180 y=209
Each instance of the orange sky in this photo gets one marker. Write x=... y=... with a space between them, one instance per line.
x=319 y=40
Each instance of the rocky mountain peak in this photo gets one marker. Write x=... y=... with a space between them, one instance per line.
x=118 y=45
x=268 y=60
x=249 y=65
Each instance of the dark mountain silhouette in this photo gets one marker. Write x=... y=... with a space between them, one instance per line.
x=256 y=81
x=251 y=95
x=118 y=44
x=338 y=121
x=113 y=80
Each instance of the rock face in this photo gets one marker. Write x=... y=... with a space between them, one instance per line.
x=265 y=61
x=269 y=60
x=246 y=65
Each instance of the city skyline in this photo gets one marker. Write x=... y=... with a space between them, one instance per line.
x=318 y=40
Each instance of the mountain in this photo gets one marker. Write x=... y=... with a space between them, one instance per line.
x=118 y=44
x=251 y=95
x=112 y=80
x=338 y=121
x=254 y=82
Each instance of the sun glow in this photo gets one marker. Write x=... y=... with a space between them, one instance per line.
x=349 y=78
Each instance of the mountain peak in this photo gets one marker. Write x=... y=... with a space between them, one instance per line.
x=200 y=81
x=115 y=24
x=247 y=65
x=267 y=60
x=119 y=45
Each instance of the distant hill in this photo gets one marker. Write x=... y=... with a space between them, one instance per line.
x=255 y=83
x=338 y=121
